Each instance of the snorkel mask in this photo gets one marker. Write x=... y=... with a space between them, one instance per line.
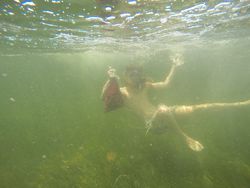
x=135 y=76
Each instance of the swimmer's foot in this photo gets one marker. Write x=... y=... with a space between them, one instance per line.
x=194 y=144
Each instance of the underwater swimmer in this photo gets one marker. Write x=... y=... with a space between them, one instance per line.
x=134 y=95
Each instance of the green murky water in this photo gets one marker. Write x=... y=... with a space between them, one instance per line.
x=54 y=132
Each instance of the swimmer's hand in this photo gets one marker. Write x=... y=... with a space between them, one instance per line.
x=177 y=60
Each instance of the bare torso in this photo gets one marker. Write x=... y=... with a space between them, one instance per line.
x=138 y=101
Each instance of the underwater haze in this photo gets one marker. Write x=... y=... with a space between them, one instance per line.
x=54 y=57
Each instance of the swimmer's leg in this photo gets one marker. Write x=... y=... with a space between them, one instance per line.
x=192 y=144
x=191 y=108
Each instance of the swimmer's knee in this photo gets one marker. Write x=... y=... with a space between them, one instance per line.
x=163 y=109
x=184 y=109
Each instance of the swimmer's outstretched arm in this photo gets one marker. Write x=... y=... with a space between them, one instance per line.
x=186 y=109
x=176 y=62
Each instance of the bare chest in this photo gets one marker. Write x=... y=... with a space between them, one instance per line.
x=138 y=102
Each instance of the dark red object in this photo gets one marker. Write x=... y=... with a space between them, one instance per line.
x=112 y=96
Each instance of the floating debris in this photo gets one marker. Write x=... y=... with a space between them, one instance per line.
x=44 y=156
x=4 y=74
x=111 y=156
x=12 y=99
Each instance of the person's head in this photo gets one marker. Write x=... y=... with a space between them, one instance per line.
x=134 y=77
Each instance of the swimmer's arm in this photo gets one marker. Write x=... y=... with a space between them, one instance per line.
x=177 y=61
x=167 y=80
